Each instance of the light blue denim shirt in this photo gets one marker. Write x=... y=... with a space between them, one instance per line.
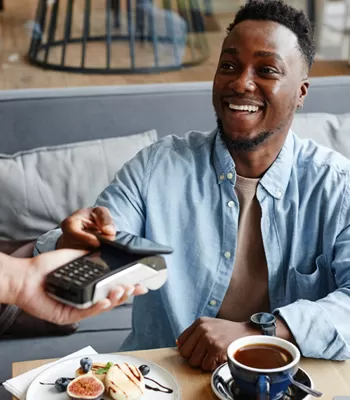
x=179 y=192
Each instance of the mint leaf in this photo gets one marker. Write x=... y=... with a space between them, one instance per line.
x=104 y=370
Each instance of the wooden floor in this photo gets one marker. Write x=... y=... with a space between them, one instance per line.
x=16 y=72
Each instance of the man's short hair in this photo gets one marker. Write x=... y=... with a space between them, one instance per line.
x=278 y=11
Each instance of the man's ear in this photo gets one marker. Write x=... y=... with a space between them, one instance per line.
x=304 y=88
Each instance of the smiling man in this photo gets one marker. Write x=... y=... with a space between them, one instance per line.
x=259 y=219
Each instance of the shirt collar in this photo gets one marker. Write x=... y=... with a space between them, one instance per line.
x=276 y=178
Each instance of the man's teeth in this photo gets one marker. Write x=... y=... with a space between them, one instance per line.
x=244 y=108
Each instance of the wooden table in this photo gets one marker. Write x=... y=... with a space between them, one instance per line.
x=331 y=377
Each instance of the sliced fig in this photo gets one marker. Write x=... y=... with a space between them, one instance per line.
x=85 y=387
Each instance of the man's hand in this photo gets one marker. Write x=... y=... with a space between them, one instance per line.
x=27 y=284
x=205 y=342
x=76 y=228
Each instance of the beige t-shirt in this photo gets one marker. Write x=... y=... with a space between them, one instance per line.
x=248 y=289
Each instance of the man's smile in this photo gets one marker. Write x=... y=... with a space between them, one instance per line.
x=242 y=110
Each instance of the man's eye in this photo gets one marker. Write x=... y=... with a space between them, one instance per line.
x=227 y=66
x=268 y=70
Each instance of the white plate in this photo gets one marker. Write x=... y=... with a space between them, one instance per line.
x=67 y=368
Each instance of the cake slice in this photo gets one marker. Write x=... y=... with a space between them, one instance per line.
x=124 y=382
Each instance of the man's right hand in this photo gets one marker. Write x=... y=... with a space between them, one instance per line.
x=76 y=236
x=76 y=228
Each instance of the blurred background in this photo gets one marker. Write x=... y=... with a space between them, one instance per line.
x=62 y=43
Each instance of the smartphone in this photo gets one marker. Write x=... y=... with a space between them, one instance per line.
x=134 y=244
x=88 y=279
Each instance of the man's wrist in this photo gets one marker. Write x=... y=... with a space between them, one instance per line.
x=283 y=331
x=60 y=243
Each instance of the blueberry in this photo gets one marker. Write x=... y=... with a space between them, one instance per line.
x=86 y=364
x=61 y=384
x=144 y=369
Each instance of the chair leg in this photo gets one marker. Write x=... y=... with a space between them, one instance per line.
x=116 y=12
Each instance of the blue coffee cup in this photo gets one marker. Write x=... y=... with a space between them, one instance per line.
x=265 y=384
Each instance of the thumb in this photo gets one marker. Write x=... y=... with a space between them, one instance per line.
x=48 y=262
x=104 y=220
x=109 y=229
x=75 y=315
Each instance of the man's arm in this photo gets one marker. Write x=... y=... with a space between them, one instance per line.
x=322 y=328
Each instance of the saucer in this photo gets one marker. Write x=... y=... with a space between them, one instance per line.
x=224 y=387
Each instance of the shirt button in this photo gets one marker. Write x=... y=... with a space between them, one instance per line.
x=231 y=204
x=229 y=175
x=227 y=254
x=212 y=303
x=278 y=194
x=222 y=177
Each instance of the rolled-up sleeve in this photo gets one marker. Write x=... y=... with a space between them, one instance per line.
x=322 y=328
x=47 y=242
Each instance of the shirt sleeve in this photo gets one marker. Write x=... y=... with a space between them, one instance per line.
x=124 y=198
x=322 y=328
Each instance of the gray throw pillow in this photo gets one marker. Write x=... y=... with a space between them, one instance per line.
x=41 y=187
x=330 y=130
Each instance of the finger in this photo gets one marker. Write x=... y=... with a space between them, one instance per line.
x=129 y=290
x=74 y=232
x=103 y=219
x=210 y=362
x=187 y=348
x=140 y=290
x=121 y=294
x=116 y=295
x=48 y=262
x=186 y=334
x=198 y=354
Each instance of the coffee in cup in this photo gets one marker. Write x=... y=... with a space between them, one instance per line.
x=263 y=366
x=263 y=356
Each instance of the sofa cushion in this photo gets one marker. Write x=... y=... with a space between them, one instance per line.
x=331 y=130
x=40 y=187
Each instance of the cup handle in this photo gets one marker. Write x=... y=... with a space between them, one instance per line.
x=263 y=388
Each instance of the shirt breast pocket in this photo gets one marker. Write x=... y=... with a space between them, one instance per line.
x=313 y=283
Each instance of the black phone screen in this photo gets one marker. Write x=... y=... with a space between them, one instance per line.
x=111 y=259
x=136 y=244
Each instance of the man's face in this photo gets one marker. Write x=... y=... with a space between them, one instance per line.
x=259 y=82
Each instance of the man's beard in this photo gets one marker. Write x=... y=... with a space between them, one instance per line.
x=242 y=144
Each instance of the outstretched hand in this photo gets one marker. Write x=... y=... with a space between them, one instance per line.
x=28 y=288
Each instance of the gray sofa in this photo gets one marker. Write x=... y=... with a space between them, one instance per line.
x=44 y=118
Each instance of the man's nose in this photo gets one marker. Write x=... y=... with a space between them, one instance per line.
x=242 y=83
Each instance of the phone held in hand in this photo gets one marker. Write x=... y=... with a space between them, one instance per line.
x=134 y=244
x=126 y=259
